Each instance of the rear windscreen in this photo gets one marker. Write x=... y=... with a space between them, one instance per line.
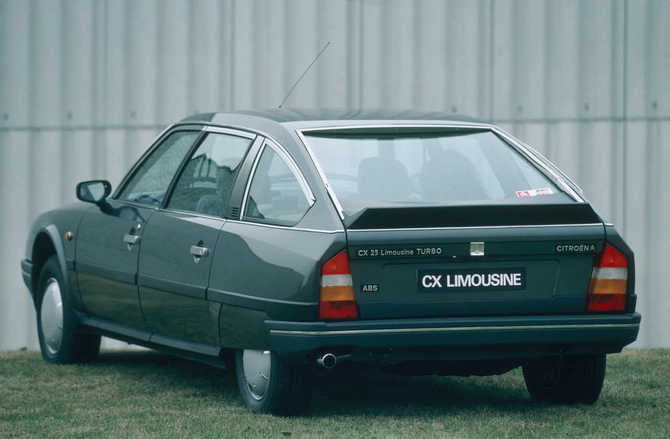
x=380 y=170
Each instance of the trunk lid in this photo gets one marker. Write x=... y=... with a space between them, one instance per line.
x=473 y=260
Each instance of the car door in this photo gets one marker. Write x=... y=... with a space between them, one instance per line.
x=261 y=261
x=178 y=242
x=109 y=239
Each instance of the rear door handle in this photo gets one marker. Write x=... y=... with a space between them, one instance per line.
x=131 y=239
x=199 y=252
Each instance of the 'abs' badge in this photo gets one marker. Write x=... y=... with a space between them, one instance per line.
x=476 y=249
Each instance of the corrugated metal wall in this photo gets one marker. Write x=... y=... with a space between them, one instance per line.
x=86 y=85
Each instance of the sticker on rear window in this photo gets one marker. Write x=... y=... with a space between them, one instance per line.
x=534 y=192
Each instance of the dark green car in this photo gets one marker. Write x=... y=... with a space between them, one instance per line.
x=290 y=242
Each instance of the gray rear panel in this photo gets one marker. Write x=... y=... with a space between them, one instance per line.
x=434 y=272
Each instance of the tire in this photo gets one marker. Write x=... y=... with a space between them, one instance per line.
x=60 y=342
x=574 y=379
x=270 y=386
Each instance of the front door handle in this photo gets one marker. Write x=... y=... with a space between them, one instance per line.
x=131 y=239
x=199 y=252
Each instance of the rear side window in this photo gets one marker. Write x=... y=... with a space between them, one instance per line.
x=275 y=195
x=436 y=169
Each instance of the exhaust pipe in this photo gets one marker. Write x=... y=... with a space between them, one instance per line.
x=327 y=361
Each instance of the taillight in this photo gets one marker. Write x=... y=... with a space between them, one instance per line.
x=337 y=299
x=607 y=291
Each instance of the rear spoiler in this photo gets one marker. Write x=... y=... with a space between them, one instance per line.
x=472 y=216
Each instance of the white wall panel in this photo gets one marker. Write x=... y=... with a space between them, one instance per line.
x=467 y=75
x=332 y=69
x=398 y=55
x=115 y=157
x=528 y=74
x=658 y=243
x=141 y=68
x=562 y=148
x=205 y=56
x=15 y=35
x=172 y=60
x=242 y=88
x=46 y=159
x=595 y=165
x=597 y=59
x=226 y=47
x=502 y=61
x=46 y=55
x=17 y=317
x=77 y=64
x=638 y=221
x=562 y=59
x=114 y=59
x=78 y=152
x=302 y=42
x=432 y=60
x=270 y=75
x=372 y=53
x=86 y=86
x=659 y=58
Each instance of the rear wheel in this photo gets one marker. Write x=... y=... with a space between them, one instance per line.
x=268 y=385
x=56 y=326
x=574 y=379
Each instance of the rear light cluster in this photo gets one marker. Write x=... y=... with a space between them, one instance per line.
x=607 y=291
x=336 y=299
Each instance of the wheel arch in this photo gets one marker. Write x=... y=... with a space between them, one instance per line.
x=46 y=244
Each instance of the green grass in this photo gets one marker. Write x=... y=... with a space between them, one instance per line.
x=145 y=394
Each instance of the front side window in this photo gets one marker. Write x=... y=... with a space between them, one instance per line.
x=207 y=180
x=275 y=194
x=152 y=180
x=380 y=170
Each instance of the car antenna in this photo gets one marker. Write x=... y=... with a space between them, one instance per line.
x=304 y=73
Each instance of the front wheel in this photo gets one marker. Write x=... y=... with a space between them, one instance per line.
x=60 y=342
x=268 y=385
x=574 y=379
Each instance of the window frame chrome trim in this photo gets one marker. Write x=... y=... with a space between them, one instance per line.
x=295 y=170
x=556 y=179
x=276 y=226
x=229 y=131
x=309 y=195
x=322 y=174
x=190 y=213
x=553 y=167
x=252 y=174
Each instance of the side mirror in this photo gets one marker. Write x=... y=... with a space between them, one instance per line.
x=94 y=191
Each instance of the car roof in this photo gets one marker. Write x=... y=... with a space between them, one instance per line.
x=311 y=118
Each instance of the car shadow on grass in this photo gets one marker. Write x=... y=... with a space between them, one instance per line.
x=368 y=390
x=152 y=369
x=345 y=390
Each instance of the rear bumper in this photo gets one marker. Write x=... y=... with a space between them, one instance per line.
x=472 y=338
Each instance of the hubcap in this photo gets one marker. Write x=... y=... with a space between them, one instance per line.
x=257 y=365
x=51 y=316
